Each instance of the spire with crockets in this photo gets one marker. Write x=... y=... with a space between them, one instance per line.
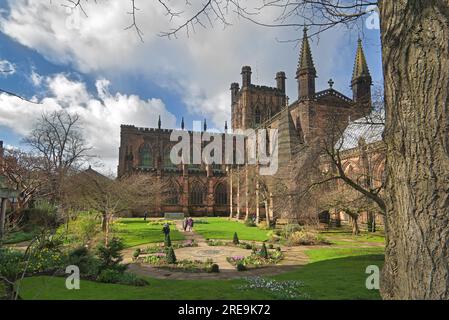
x=361 y=77
x=305 y=59
x=306 y=72
x=360 y=66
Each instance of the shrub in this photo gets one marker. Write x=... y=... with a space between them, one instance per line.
x=263 y=252
x=305 y=238
x=85 y=227
x=270 y=246
x=137 y=253
x=240 y=267
x=157 y=259
x=171 y=257
x=289 y=229
x=250 y=222
x=248 y=246
x=81 y=257
x=43 y=215
x=110 y=256
x=109 y=276
x=214 y=268
x=11 y=263
x=236 y=239
x=114 y=276
x=167 y=242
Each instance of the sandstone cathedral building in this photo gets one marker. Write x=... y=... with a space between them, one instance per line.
x=213 y=189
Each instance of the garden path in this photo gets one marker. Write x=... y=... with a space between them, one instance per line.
x=294 y=257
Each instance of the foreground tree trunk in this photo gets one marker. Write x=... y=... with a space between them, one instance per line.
x=416 y=69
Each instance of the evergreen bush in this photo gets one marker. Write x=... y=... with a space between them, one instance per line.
x=171 y=257
x=236 y=239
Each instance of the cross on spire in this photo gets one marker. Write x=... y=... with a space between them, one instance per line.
x=331 y=83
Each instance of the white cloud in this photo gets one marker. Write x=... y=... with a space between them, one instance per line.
x=7 y=68
x=101 y=114
x=35 y=78
x=199 y=68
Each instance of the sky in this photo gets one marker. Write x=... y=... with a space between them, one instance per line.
x=90 y=65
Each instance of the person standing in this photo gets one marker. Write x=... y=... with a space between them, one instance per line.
x=166 y=230
x=145 y=214
x=184 y=224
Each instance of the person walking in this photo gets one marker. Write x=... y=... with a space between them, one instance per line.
x=190 y=224
x=145 y=214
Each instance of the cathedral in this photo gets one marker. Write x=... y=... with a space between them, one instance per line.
x=209 y=189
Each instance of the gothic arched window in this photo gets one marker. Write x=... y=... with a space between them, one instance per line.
x=257 y=116
x=167 y=160
x=221 y=194
x=197 y=194
x=146 y=157
x=173 y=194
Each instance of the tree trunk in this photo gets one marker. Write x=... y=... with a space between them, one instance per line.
x=416 y=70
x=355 y=225
x=3 y=203
x=105 y=227
x=267 y=212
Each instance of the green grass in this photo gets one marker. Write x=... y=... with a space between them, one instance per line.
x=332 y=274
x=343 y=237
x=222 y=228
x=19 y=236
x=136 y=231
x=338 y=274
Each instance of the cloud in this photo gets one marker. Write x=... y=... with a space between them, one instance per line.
x=7 y=68
x=101 y=113
x=198 y=68
x=36 y=78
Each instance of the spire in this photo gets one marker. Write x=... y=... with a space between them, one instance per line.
x=182 y=123
x=205 y=125
x=306 y=73
x=226 y=126
x=159 y=123
x=360 y=66
x=305 y=59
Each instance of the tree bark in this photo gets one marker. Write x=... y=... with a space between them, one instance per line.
x=355 y=225
x=3 y=203
x=416 y=69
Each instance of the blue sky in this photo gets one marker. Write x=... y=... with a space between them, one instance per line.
x=59 y=65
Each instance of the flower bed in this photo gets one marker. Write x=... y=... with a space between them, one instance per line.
x=287 y=289
x=161 y=248
x=160 y=260
x=255 y=260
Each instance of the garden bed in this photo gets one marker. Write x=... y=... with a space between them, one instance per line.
x=159 y=260
x=256 y=260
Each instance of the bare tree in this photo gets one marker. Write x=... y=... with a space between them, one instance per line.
x=58 y=140
x=90 y=190
x=22 y=170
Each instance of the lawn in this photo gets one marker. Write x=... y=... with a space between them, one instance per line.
x=338 y=274
x=332 y=274
x=343 y=237
x=136 y=231
x=222 y=228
